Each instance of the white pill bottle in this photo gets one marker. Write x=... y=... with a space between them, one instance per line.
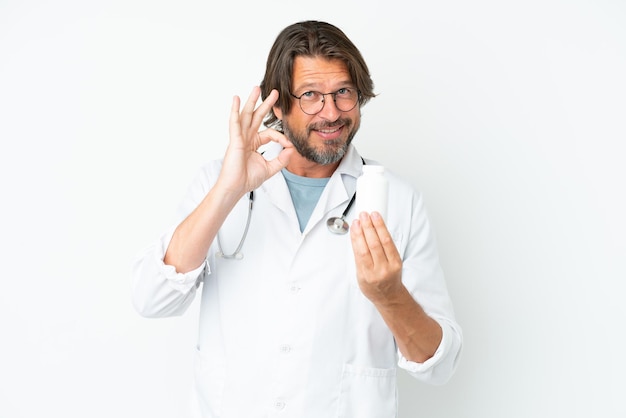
x=372 y=191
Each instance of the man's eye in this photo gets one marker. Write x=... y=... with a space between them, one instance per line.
x=345 y=92
x=308 y=94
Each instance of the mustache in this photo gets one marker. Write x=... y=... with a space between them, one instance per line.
x=329 y=125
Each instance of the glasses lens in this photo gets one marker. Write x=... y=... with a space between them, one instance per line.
x=345 y=99
x=312 y=102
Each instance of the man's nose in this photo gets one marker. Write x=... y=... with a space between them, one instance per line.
x=330 y=110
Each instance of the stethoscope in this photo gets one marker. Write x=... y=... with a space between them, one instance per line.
x=335 y=224
x=237 y=255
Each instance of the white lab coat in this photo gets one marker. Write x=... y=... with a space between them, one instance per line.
x=286 y=331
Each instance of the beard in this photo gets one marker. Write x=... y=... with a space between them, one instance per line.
x=331 y=151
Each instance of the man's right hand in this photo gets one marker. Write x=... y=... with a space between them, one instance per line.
x=244 y=169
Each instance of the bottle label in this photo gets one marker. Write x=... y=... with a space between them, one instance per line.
x=372 y=191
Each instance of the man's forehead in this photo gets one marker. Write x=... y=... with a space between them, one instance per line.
x=314 y=71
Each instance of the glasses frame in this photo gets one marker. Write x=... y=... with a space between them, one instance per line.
x=333 y=94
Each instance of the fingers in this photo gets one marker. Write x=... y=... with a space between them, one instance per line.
x=264 y=108
x=234 y=128
x=244 y=167
x=371 y=239
x=241 y=119
x=263 y=137
x=378 y=263
x=244 y=123
x=247 y=113
x=359 y=244
x=252 y=116
x=387 y=246
x=283 y=157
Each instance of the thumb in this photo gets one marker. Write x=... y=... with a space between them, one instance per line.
x=281 y=160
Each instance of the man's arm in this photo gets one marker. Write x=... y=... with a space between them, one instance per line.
x=243 y=170
x=379 y=273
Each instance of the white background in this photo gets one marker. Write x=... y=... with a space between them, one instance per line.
x=508 y=115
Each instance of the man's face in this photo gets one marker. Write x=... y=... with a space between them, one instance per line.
x=324 y=137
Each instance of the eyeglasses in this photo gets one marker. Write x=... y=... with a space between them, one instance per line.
x=312 y=102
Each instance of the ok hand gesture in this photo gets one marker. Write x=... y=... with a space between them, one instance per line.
x=244 y=168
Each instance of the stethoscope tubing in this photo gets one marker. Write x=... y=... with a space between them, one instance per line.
x=336 y=225
x=237 y=254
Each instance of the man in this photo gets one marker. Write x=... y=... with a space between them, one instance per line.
x=295 y=320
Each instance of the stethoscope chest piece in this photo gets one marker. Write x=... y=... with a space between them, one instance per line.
x=337 y=225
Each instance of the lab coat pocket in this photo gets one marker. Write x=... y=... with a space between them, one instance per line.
x=209 y=380
x=368 y=392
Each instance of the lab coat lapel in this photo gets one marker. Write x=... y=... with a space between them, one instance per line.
x=278 y=193
x=339 y=189
x=335 y=197
x=276 y=187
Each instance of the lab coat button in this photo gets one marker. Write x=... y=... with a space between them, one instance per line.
x=279 y=405
x=294 y=289
x=285 y=348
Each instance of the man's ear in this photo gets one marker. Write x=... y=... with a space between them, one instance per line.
x=278 y=112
